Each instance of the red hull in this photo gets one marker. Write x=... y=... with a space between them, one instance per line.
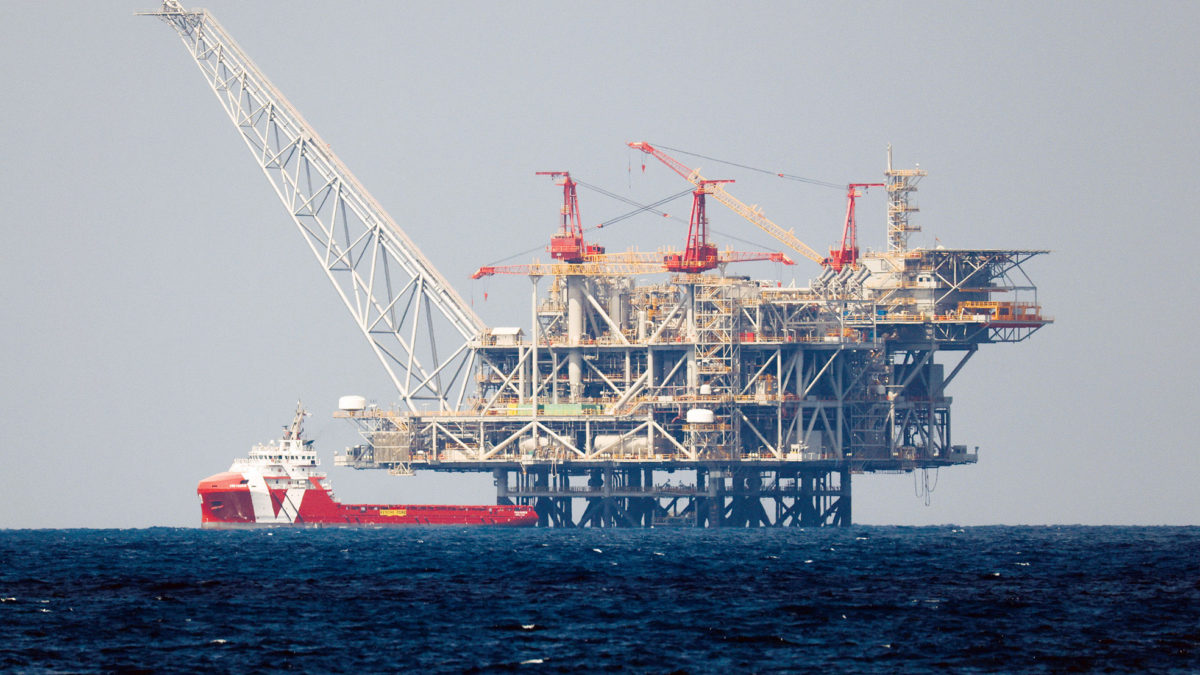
x=226 y=501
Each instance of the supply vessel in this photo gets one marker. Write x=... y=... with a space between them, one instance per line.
x=279 y=484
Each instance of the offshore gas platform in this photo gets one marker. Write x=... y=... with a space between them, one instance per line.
x=768 y=398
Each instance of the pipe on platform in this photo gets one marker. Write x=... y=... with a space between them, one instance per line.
x=575 y=335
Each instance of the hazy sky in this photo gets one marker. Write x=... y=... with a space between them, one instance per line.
x=161 y=314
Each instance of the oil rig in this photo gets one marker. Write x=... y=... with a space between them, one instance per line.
x=767 y=399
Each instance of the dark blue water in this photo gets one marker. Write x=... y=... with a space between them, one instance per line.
x=862 y=599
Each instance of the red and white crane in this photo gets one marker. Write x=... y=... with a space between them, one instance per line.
x=698 y=255
x=568 y=245
x=575 y=256
x=750 y=213
x=847 y=254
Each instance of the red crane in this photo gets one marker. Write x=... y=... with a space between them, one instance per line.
x=699 y=255
x=848 y=253
x=750 y=213
x=577 y=257
x=568 y=245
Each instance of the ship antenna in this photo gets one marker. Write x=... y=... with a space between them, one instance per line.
x=296 y=430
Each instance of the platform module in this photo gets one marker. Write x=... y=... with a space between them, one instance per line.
x=759 y=392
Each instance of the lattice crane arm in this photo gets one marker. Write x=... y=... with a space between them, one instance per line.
x=403 y=305
x=750 y=213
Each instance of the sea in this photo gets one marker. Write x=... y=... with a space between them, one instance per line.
x=460 y=600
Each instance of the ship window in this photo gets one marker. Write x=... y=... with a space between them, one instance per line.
x=243 y=482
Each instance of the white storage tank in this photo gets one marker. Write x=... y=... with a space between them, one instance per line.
x=613 y=443
x=528 y=446
x=700 y=416
x=352 y=403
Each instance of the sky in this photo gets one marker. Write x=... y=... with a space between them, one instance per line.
x=161 y=314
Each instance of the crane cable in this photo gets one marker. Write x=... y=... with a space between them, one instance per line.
x=923 y=489
x=641 y=208
x=788 y=176
x=653 y=208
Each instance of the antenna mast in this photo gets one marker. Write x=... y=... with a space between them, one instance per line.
x=901 y=183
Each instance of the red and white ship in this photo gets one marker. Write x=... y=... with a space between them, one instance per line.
x=279 y=485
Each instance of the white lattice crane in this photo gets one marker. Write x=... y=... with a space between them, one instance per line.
x=399 y=300
x=847 y=253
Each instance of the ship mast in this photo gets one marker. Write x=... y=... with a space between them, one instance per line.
x=296 y=430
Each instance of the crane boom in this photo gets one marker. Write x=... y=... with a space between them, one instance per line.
x=627 y=264
x=399 y=300
x=750 y=213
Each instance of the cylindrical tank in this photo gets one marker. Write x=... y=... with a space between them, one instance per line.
x=575 y=321
x=706 y=390
x=700 y=416
x=616 y=306
x=637 y=444
x=352 y=403
x=527 y=445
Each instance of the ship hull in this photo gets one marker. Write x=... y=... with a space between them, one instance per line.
x=244 y=501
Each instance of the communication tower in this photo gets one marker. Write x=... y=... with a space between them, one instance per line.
x=901 y=184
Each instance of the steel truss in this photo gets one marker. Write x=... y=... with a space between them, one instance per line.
x=795 y=391
x=731 y=495
x=404 y=307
